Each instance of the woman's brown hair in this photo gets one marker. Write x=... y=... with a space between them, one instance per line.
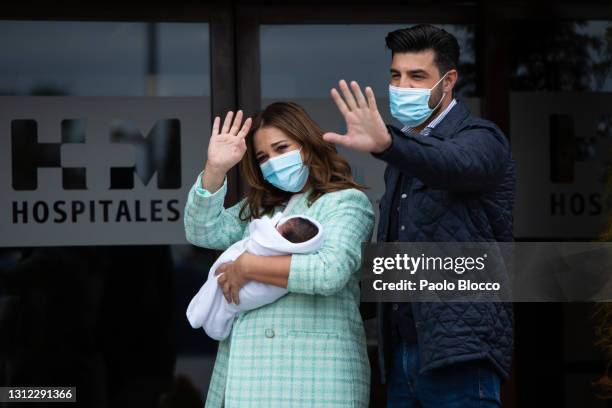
x=328 y=171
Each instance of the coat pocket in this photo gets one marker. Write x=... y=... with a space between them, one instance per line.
x=311 y=333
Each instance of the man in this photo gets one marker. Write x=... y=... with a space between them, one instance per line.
x=449 y=177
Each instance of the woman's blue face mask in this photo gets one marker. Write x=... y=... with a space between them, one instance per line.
x=286 y=171
x=411 y=105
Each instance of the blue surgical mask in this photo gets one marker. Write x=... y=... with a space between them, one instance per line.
x=286 y=171
x=411 y=105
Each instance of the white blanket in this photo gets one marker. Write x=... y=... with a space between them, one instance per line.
x=209 y=308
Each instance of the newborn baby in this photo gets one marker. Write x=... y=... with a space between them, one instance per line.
x=209 y=309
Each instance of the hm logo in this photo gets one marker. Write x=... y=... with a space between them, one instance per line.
x=159 y=152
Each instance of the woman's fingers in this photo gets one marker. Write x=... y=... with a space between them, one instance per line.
x=224 y=283
x=236 y=125
x=227 y=292
x=232 y=125
x=361 y=101
x=227 y=122
x=215 y=128
x=348 y=95
x=220 y=269
x=234 y=293
x=221 y=279
x=245 y=128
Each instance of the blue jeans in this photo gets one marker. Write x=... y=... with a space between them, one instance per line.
x=461 y=385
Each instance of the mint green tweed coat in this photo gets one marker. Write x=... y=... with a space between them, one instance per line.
x=307 y=349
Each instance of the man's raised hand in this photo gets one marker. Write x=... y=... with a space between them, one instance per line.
x=365 y=128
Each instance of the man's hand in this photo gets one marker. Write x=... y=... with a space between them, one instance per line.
x=233 y=277
x=365 y=129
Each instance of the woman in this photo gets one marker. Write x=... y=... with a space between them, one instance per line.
x=308 y=348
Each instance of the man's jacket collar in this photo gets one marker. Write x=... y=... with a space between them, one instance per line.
x=453 y=119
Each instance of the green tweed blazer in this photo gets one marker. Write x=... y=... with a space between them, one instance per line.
x=307 y=349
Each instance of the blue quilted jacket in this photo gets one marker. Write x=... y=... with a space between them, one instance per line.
x=460 y=182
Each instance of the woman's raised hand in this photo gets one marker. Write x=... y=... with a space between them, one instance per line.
x=225 y=149
x=227 y=145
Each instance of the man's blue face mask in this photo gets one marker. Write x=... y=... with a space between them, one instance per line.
x=411 y=105
x=286 y=171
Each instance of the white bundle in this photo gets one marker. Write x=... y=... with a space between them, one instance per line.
x=209 y=308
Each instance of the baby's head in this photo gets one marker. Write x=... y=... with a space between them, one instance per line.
x=298 y=229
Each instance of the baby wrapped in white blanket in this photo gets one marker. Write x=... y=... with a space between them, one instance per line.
x=267 y=236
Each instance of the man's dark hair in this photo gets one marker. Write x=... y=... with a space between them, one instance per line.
x=426 y=37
